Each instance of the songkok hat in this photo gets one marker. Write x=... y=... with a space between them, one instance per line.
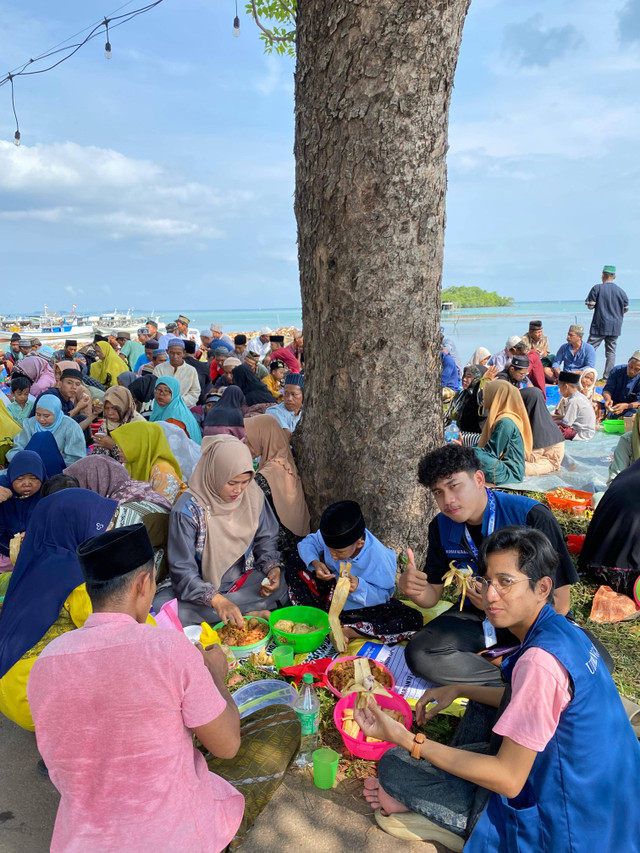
x=265 y=330
x=35 y=342
x=569 y=378
x=295 y=379
x=521 y=362
x=205 y=333
x=253 y=356
x=171 y=327
x=216 y=327
x=277 y=339
x=160 y=351
x=46 y=351
x=15 y=337
x=190 y=347
x=70 y=343
x=71 y=373
x=98 y=338
x=152 y=343
x=125 y=336
x=175 y=342
x=636 y=355
x=512 y=341
x=535 y=324
x=231 y=362
x=276 y=364
x=24 y=342
x=220 y=351
x=183 y=319
x=579 y=330
x=143 y=330
x=609 y=269
x=240 y=339
x=342 y=524
x=115 y=553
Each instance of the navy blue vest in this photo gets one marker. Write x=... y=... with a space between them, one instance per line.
x=510 y=509
x=582 y=793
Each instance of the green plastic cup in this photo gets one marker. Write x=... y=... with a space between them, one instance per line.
x=325 y=767
x=282 y=656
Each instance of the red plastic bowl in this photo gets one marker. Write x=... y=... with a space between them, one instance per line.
x=355 y=657
x=358 y=746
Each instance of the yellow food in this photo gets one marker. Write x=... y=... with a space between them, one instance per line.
x=340 y=595
x=14 y=547
x=565 y=494
x=252 y=631
x=463 y=578
x=285 y=625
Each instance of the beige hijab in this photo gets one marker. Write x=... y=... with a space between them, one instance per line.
x=267 y=439
x=232 y=526
x=503 y=400
x=122 y=401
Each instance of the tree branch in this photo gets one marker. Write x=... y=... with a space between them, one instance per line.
x=289 y=11
x=267 y=32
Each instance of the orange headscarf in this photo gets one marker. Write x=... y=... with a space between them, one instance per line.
x=503 y=400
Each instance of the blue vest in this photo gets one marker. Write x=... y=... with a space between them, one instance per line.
x=582 y=793
x=510 y=509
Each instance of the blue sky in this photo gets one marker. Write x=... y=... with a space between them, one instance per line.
x=165 y=176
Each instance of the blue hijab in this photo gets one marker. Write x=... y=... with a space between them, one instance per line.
x=47 y=569
x=15 y=512
x=44 y=444
x=176 y=409
x=51 y=404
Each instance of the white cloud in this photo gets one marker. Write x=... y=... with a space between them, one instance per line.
x=117 y=196
x=276 y=77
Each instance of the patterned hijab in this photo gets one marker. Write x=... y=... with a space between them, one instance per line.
x=122 y=401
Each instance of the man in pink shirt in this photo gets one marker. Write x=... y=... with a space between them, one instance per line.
x=115 y=704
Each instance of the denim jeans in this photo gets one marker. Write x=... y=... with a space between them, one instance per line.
x=447 y=800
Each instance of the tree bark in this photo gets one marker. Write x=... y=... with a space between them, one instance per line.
x=373 y=86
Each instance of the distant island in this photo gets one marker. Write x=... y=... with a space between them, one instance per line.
x=474 y=297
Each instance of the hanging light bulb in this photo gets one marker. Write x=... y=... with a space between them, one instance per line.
x=16 y=138
x=107 y=47
x=236 y=26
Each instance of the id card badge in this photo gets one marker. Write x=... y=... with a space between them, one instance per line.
x=490 y=636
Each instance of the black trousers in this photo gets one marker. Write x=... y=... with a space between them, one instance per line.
x=446 y=650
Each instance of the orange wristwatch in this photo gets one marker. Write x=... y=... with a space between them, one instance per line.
x=418 y=740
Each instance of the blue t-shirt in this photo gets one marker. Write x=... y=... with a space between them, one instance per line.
x=621 y=387
x=585 y=357
x=611 y=302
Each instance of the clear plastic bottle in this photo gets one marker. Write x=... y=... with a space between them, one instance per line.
x=451 y=432
x=307 y=707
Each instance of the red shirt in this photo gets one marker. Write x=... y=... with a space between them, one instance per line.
x=536 y=370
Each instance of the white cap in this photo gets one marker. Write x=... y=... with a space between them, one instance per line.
x=205 y=333
x=512 y=341
x=265 y=330
x=216 y=327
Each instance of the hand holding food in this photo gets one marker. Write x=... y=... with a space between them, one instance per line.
x=378 y=724
x=272 y=582
x=249 y=632
x=463 y=576
x=227 y=611
x=322 y=572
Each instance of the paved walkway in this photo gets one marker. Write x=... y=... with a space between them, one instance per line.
x=299 y=817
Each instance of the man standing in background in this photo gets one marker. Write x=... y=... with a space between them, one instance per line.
x=609 y=304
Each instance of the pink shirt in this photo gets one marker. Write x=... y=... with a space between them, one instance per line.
x=113 y=704
x=540 y=693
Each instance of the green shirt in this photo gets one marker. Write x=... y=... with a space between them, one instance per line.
x=502 y=458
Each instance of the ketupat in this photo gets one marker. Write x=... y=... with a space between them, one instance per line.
x=340 y=595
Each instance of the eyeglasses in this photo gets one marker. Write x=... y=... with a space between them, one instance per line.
x=502 y=585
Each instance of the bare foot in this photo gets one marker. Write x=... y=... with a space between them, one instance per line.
x=378 y=798
x=263 y=614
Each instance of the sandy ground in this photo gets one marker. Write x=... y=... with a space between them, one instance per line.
x=299 y=817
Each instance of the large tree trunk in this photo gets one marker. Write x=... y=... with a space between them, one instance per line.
x=373 y=85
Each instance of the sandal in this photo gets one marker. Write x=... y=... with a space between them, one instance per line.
x=410 y=826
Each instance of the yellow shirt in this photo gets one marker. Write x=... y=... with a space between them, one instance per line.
x=273 y=385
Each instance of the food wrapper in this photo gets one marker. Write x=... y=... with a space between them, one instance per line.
x=463 y=577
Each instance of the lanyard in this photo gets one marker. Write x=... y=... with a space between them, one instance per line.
x=491 y=525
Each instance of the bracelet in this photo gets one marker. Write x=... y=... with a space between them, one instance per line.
x=418 y=740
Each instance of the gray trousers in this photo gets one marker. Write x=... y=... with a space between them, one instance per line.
x=610 y=343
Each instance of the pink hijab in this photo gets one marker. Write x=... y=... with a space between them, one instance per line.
x=39 y=372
